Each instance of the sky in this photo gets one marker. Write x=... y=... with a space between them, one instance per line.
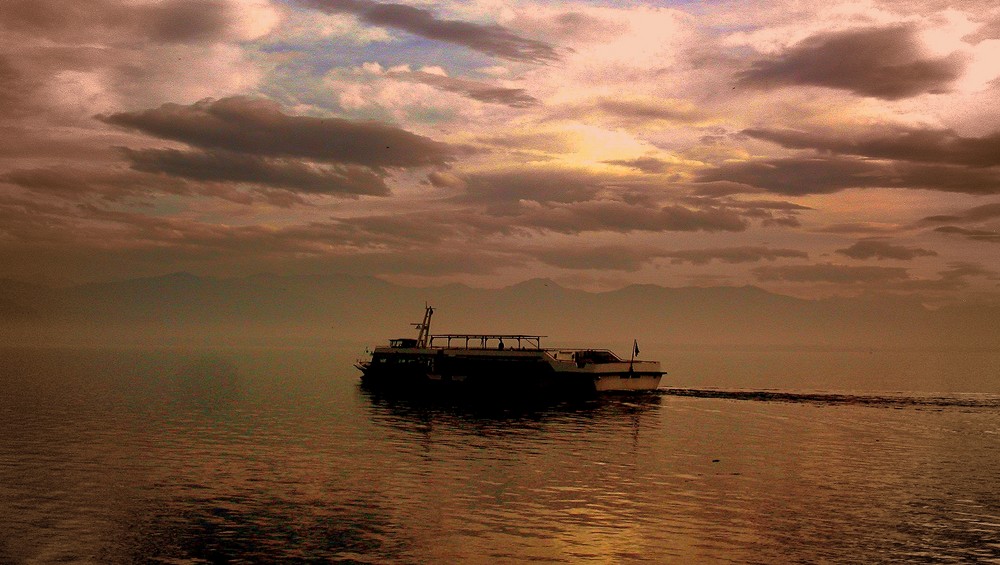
x=810 y=148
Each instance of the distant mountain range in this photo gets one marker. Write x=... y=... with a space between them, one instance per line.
x=181 y=308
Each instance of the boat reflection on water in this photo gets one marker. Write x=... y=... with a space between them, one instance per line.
x=536 y=418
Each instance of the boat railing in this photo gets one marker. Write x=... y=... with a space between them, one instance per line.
x=486 y=341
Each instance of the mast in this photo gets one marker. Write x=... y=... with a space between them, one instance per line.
x=424 y=328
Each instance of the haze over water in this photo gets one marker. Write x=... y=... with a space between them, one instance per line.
x=260 y=455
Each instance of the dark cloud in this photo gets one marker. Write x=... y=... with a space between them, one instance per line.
x=857 y=228
x=470 y=224
x=168 y=21
x=604 y=257
x=888 y=63
x=29 y=220
x=15 y=88
x=988 y=30
x=112 y=184
x=769 y=212
x=650 y=165
x=606 y=201
x=422 y=262
x=564 y=200
x=513 y=97
x=73 y=183
x=955 y=277
x=633 y=111
x=973 y=234
x=796 y=176
x=733 y=255
x=646 y=110
x=226 y=166
x=779 y=205
x=259 y=127
x=830 y=273
x=537 y=184
x=963 y=269
x=78 y=237
x=552 y=142
x=881 y=249
x=632 y=257
x=580 y=26
x=623 y=218
x=489 y=39
x=906 y=144
x=722 y=188
x=184 y=21
x=976 y=214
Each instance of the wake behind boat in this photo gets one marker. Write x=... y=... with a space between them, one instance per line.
x=502 y=363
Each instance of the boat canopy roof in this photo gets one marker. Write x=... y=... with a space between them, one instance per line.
x=486 y=341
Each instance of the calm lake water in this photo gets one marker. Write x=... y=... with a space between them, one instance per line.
x=195 y=456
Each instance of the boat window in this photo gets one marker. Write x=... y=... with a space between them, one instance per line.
x=597 y=356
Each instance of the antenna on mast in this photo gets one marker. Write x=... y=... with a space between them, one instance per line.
x=424 y=328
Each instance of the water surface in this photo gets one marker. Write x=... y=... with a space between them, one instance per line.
x=193 y=456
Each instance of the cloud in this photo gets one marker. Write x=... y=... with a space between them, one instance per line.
x=226 y=166
x=74 y=183
x=900 y=143
x=537 y=184
x=649 y=165
x=880 y=249
x=16 y=88
x=71 y=59
x=859 y=228
x=483 y=92
x=769 y=212
x=634 y=111
x=632 y=257
x=796 y=176
x=621 y=217
x=830 y=273
x=988 y=30
x=489 y=39
x=81 y=184
x=953 y=278
x=642 y=109
x=532 y=218
x=886 y=62
x=976 y=214
x=444 y=179
x=547 y=141
x=973 y=234
x=746 y=254
x=601 y=257
x=584 y=27
x=259 y=127
x=168 y=21
x=962 y=269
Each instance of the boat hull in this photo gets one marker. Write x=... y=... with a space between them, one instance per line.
x=504 y=373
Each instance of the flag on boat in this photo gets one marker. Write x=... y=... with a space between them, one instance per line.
x=635 y=348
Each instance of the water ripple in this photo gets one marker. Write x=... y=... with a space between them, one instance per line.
x=268 y=457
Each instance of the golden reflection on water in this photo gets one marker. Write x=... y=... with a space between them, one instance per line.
x=266 y=456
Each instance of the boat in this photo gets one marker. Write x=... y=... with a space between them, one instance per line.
x=501 y=363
